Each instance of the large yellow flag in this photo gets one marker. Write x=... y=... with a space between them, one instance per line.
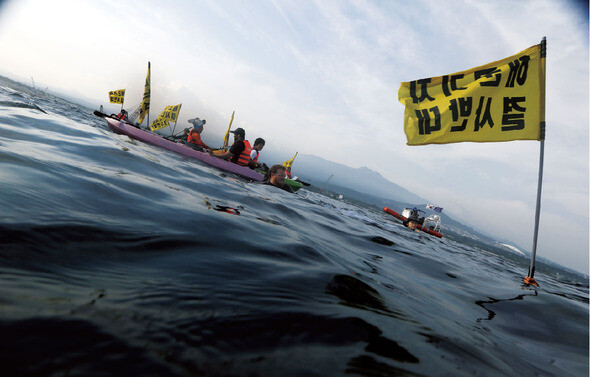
x=499 y=101
x=117 y=96
x=145 y=103
x=171 y=113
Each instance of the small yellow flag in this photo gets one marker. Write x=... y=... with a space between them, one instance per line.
x=499 y=101
x=159 y=123
x=289 y=163
x=117 y=96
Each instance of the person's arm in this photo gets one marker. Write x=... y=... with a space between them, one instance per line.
x=225 y=156
x=236 y=149
x=204 y=145
x=199 y=141
x=232 y=152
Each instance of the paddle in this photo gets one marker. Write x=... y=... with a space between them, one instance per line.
x=102 y=115
x=302 y=182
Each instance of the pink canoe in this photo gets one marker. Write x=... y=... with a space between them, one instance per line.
x=151 y=138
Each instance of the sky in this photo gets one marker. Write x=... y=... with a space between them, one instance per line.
x=321 y=77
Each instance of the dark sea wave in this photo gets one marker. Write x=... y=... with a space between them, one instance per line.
x=120 y=258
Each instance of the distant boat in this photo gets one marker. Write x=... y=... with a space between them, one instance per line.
x=430 y=225
x=433 y=221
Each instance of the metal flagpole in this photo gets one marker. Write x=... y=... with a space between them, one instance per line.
x=529 y=279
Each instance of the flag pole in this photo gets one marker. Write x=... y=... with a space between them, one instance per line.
x=174 y=128
x=529 y=279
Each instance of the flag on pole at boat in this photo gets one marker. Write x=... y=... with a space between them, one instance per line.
x=145 y=102
x=170 y=113
x=117 y=96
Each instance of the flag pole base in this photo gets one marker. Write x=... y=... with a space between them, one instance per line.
x=530 y=281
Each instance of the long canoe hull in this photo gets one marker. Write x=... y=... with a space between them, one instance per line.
x=150 y=138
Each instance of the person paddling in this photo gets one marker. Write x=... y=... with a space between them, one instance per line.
x=239 y=152
x=194 y=135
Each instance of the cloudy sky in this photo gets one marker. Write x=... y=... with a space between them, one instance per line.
x=321 y=77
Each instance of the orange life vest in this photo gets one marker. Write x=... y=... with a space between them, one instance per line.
x=244 y=158
x=194 y=137
x=121 y=116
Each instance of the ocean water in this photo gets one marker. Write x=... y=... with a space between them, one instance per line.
x=118 y=258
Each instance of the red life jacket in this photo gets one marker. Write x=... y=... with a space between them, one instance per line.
x=244 y=158
x=121 y=116
x=257 y=154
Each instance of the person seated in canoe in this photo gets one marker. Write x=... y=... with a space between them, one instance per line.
x=276 y=177
x=258 y=145
x=239 y=152
x=123 y=115
x=193 y=138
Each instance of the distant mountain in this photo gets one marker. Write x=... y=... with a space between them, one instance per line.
x=362 y=180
